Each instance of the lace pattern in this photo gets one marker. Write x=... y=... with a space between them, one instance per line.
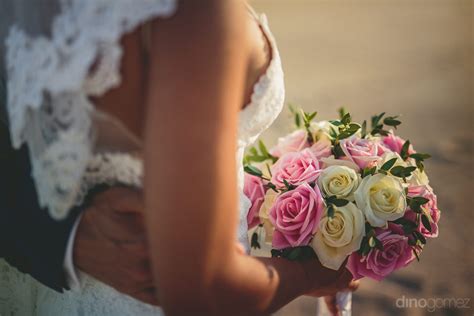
x=49 y=84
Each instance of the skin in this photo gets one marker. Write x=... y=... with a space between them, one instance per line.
x=110 y=243
x=192 y=91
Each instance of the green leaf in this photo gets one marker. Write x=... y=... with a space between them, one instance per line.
x=312 y=116
x=330 y=211
x=426 y=222
x=272 y=186
x=297 y=120
x=337 y=151
x=254 y=241
x=263 y=148
x=404 y=151
x=256 y=158
x=368 y=171
x=353 y=127
x=419 y=237
x=340 y=202
x=389 y=164
x=346 y=119
x=365 y=248
x=392 y=121
x=407 y=225
x=420 y=200
x=378 y=244
x=336 y=123
x=364 y=129
x=416 y=255
x=342 y=112
x=288 y=185
x=402 y=172
x=345 y=134
x=376 y=119
x=420 y=156
x=253 y=170
x=420 y=165
x=397 y=171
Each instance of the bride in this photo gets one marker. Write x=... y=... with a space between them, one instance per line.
x=166 y=94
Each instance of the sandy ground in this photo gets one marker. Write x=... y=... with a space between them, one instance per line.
x=413 y=58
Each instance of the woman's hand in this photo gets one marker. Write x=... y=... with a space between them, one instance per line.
x=324 y=281
x=331 y=301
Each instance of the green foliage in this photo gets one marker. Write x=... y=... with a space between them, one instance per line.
x=402 y=172
x=377 y=124
x=253 y=170
x=416 y=202
x=419 y=159
x=258 y=155
x=368 y=171
x=404 y=151
x=389 y=164
x=332 y=202
x=369 y=241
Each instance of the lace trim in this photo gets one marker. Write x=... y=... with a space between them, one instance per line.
x=268 y=95
x=49 y=84
x=111 y=169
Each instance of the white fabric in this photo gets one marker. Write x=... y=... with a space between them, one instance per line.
x=49 y=81
x=49 y=110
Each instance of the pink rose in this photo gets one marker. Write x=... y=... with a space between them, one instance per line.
x=295 y=216
x=295 y=141
x=254 y=190
x=322 y=148
x=395 y=143
x=431 y=207
x=378 y=264
x=363 y=152
x=296 y=168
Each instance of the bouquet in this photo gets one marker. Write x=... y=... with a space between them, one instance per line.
x=339 y=189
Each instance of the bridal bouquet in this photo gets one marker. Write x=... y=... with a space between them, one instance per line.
x=339 y=189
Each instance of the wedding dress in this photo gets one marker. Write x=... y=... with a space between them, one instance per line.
x=49 y=89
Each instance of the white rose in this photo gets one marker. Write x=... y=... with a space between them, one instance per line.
x=321 y=130
x=382 y=198
x=268 y=202
x=418 y=178
x=331 y=161
x=340 y=181
x=339 y=236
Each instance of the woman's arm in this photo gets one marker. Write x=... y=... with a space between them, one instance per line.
x=196 y=89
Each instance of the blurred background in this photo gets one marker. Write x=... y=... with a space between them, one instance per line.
x=408 y=57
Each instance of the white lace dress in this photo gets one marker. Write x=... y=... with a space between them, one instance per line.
x=49 y=85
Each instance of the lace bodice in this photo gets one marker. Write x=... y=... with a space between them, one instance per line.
x=49 y=85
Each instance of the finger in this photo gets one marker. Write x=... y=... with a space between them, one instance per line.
x=354 y=285
x=344 y=280
x=331 y=304
x=240 y=248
